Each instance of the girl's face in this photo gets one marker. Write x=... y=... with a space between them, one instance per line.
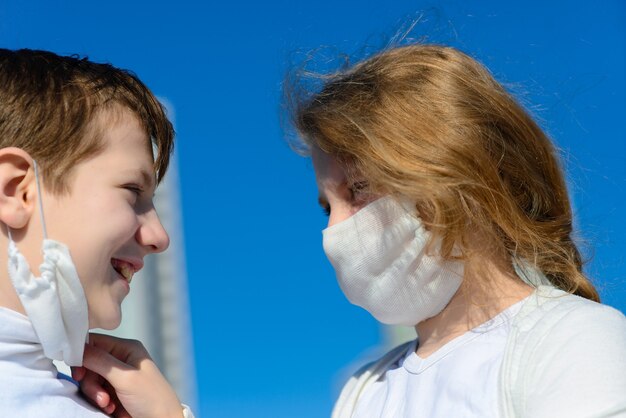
x=339 y=199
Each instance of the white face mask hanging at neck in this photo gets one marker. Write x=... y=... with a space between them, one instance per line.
x=381 y=262
x=55 y=302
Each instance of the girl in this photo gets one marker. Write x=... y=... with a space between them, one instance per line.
x=448 y=211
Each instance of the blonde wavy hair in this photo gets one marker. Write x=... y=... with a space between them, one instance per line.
x=430 y=123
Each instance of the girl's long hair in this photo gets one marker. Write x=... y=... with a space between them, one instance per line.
x=431 y=123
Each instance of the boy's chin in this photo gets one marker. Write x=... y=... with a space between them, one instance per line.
x=109 y=322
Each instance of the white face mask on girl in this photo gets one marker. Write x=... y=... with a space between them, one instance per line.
x=380 y=259
x=55 y=302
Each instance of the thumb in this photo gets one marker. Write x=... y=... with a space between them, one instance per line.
x=104 y=364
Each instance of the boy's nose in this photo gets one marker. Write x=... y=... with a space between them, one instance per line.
x=152 y=235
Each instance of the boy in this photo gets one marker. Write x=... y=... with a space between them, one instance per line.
x=77 y=176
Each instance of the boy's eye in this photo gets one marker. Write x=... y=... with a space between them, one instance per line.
x=134 y=188
x=326 y=210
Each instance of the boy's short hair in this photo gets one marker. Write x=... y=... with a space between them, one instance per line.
x=49 y=104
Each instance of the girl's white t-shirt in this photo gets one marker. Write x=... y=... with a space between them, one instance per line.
x=459 y=380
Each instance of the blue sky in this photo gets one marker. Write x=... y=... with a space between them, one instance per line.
x=272 y=332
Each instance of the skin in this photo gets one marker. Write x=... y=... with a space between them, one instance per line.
x=107 y=217
x=489 y=284
x=119 y=376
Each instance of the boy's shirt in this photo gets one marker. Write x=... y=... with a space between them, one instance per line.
x=29 y=383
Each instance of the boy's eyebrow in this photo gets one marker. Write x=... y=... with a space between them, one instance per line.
x=321 y=200
x=148 y=178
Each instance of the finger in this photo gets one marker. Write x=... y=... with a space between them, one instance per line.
x=109 y=409
x=101 y=362
x=92 y=388
x=123 y=414
x=120 y=411
x=114 y=401
x=124 y=349
x=78 y=373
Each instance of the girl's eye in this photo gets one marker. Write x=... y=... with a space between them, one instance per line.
x=326 y=210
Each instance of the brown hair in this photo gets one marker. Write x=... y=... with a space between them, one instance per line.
x=431 y=123
x=48 y=105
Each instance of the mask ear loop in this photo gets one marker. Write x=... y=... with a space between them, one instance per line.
x=39 y=199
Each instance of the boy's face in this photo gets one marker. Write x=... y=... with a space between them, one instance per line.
x=108 y=220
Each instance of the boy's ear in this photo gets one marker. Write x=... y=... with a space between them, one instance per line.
x=17 y=196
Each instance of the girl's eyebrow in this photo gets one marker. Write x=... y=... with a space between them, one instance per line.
x=322 y=201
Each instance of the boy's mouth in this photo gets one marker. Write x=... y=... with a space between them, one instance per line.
x=124 y=268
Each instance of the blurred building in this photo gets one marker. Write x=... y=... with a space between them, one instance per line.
x=393 y=336
x=157 y=310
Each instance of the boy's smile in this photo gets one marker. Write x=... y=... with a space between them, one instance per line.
x=107 y=219
x=126 y=268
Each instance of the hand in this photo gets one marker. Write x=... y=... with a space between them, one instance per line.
x=119 y=376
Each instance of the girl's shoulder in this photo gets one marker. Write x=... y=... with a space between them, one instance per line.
x=566 y=356
x=363 y=378
x=553 y=312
